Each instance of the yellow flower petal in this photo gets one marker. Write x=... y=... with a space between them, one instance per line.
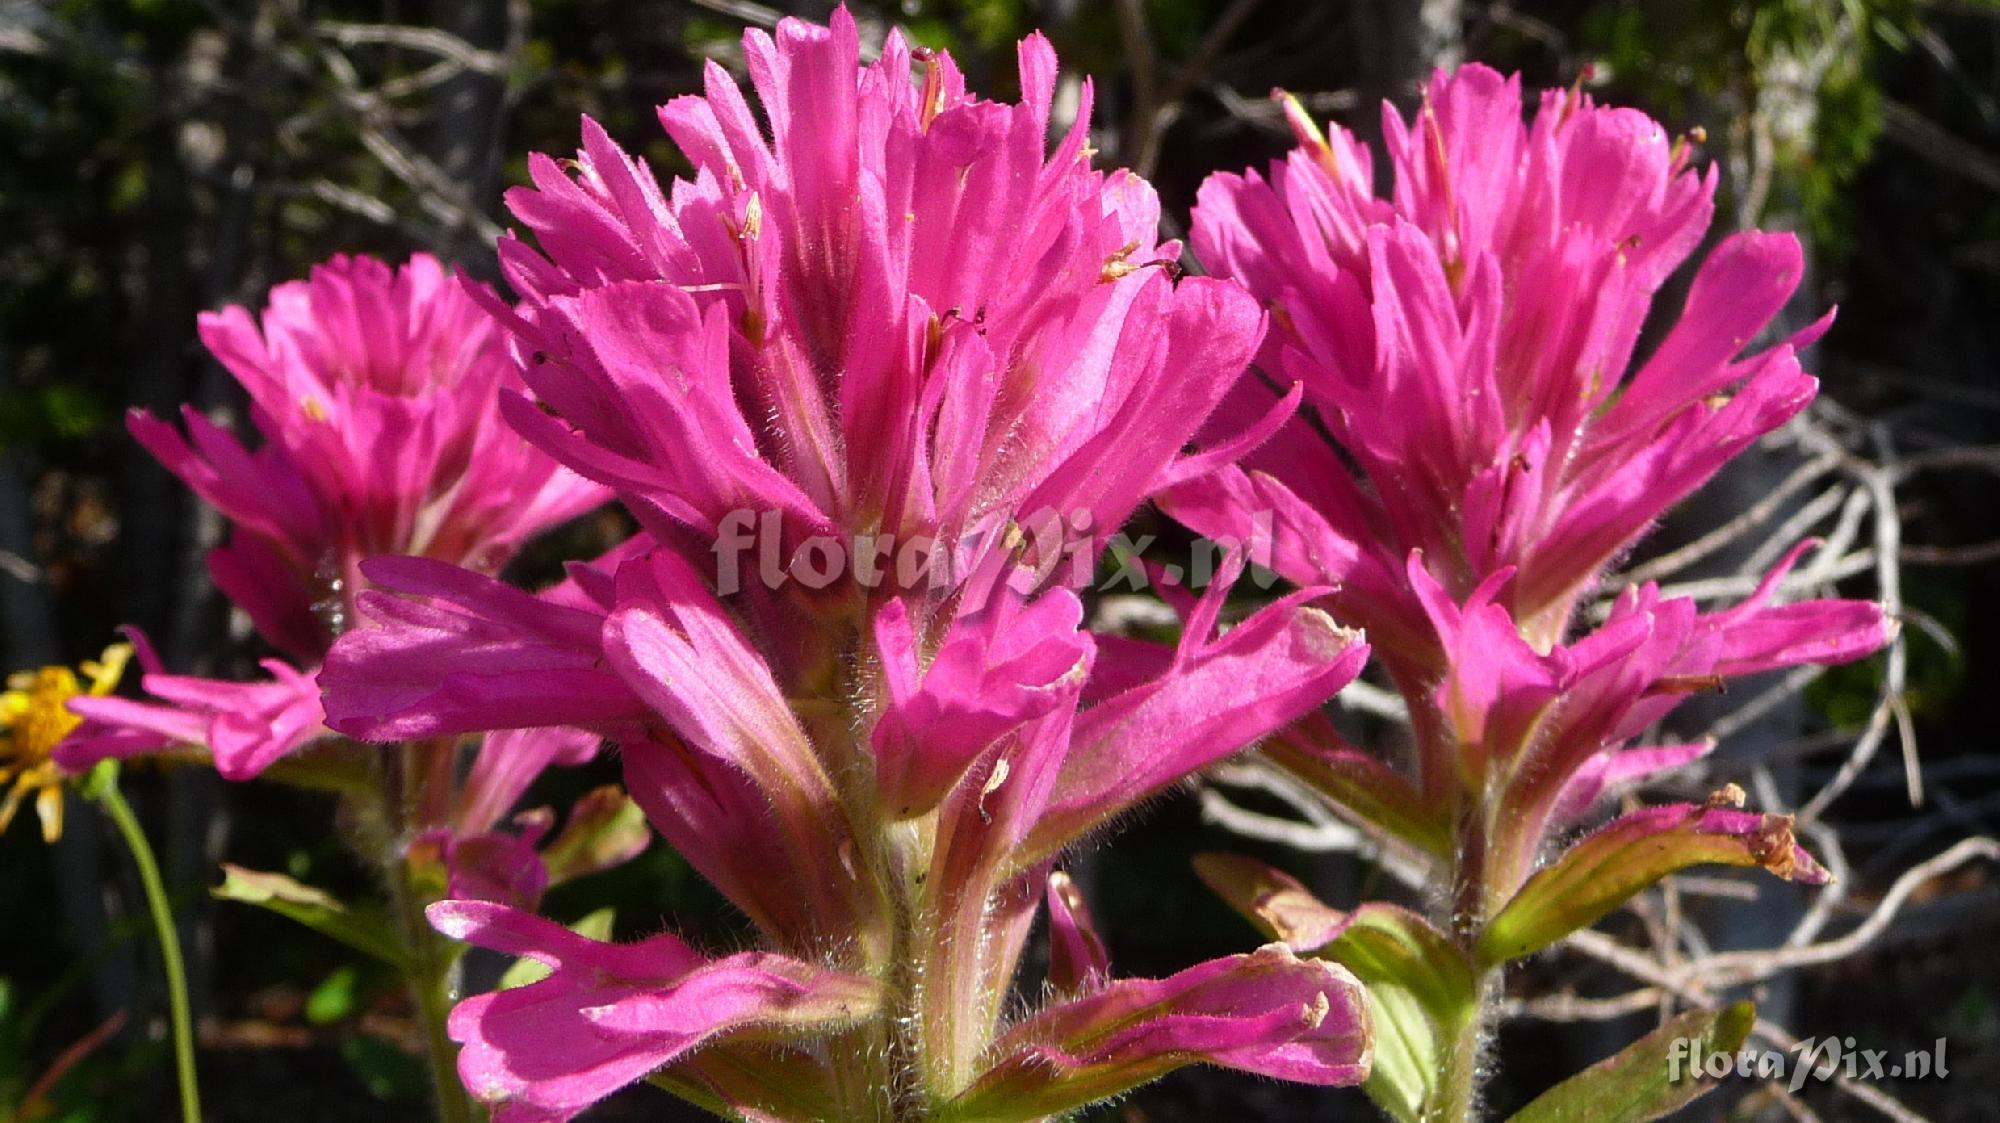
x=34 y=718
x=105 y=672
x=49 y=807
x=11 y=804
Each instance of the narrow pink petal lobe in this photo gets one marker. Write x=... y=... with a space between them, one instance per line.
x=1266 y=1013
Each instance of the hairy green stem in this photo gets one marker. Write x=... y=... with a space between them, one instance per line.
x=103 y=787
x=429 y=976
x=413 y=790
x=1457 y=1097
x=406 y=803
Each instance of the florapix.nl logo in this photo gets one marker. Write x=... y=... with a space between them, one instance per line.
x=1812 y=1059
x=768 y=548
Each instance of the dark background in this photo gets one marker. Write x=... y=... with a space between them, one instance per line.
x=159 y=157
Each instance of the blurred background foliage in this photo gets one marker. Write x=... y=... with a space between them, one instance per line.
x=159 y=157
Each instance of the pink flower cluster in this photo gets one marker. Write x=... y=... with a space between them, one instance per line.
x=888 y=310
x=1478 y=445
x=896 y=313
x=373 y=389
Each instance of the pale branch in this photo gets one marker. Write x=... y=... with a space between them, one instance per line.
x=1568 y=1006
x=1931 y=626
x=1930 y=140
x=1314 y=827
x=436 y=193
x=1695 y=885
x=1743 y=716
x=354 y=202
x=1981 y=457
x=1794 y=1107
x=1752 y=517
x=1367 y=698
x=759 y=15
x=1502 y=14
x=1832 y=853
x=1849 y=501
x=1890 y=1107
x=1156 y=104
x=1307 y=838
x=1219 y=34
x=1742 y=585
x=1857 y=760
x=1266 y=114
x=19 y=568
x=1978 y=553
x=429 y=39
x=430 y=77
x=1878 y=479
x=1709 y=975
x=1666 y=983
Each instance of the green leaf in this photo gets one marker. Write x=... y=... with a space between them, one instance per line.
x=101 y=778
x=605 y=828
x=1111 y=1040
x=1360 y=786
x=1421 y=989
x=1377 y=940
x=525 y=970
x=1654 y=1076
x=1422 y=993
x=1409 y=1054
x=756 y=1080
x=336 y=998
x=1605 y=869
x=367 y=930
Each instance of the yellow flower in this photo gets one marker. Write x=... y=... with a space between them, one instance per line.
x=34 y=718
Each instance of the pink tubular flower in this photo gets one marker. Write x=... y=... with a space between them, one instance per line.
x=1558 y=721
x=1476 y=446
x=1468 y=344
x=948 y=329
x=609 y=1014
x=245 y=725
x=1115 y=1035
x=374 y=390
x=484 y=860
x=744 y=785
x=895 y=316
x=1477 y=443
